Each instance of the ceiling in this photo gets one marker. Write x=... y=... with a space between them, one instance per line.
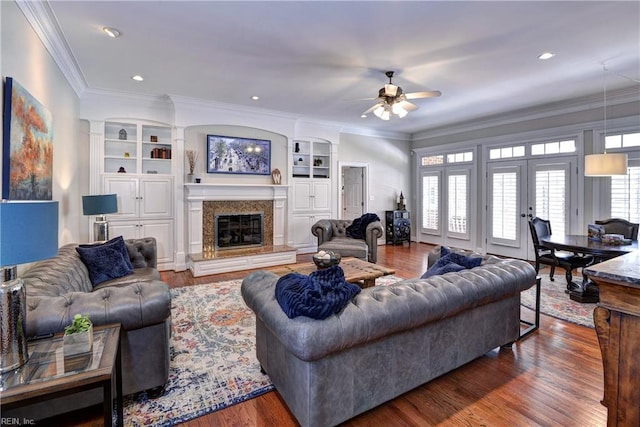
x=319 y=59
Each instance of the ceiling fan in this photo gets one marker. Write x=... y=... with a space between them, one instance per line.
x=392 y=101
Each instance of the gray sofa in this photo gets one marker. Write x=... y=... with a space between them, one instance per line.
x=332 y=236
x=59 y=287
x=388 y=340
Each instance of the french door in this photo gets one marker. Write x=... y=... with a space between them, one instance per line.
x=519 y=190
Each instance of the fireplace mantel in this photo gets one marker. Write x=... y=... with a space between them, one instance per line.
x=195 y=194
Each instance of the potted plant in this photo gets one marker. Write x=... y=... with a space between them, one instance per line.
x=192 y=157
x=78 y=336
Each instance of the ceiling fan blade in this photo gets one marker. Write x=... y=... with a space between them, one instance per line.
x=408 y=106
x=372 y=108
x=427 y=94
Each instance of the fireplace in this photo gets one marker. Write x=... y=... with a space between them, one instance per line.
x=214 y=238
x=239 y=230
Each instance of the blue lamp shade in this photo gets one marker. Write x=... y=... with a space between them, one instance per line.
x=28 y=232
x=100 y=204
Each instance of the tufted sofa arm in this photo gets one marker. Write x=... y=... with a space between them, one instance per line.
x=143 y=252
x=380 y=311
x=134 y=306
x=372 y=234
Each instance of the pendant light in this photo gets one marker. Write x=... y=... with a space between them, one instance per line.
x=605 y=164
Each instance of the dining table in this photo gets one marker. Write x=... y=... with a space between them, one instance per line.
x=586 y=291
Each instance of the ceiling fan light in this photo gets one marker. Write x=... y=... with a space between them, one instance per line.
x=398 y=110
x=386 y=115
x=378 y=111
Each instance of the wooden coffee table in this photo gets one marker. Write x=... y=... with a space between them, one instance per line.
x=356 y=271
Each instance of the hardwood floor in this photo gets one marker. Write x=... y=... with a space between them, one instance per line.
x=552 y=378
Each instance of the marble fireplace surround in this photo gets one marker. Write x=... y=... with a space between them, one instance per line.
x=202 y=200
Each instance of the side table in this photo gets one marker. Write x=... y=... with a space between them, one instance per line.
x=533 y=326
x=49 y=374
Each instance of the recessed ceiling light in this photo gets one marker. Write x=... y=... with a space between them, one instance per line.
x=546 y=55
x=111 y=32
x=137 y=78
x=255 y=97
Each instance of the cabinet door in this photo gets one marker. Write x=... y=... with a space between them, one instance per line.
x=302 y=192
x=321 y=195
x=162 y=230
x=126 y=229
x=126 y=190
x=301 y=229
x=156 y=197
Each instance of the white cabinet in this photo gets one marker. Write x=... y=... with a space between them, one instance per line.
x=301 y=228
x=311 y=190
x=141 y=197
x=311 y=195
x=162 y=230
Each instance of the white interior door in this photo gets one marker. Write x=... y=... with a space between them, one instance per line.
x=352 y=192
x=520 y=190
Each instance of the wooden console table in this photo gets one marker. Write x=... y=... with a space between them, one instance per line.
x=617 y=321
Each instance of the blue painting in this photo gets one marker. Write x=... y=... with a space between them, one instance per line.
x=27 y=158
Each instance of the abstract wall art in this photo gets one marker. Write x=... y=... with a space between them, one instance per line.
x=27 y=158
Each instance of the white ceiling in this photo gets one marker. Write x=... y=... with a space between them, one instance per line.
x=318 y=59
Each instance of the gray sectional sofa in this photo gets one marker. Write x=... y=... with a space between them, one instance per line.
x=388 y=340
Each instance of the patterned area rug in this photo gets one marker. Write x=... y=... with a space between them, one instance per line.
x=556 y=303
x=213 y=358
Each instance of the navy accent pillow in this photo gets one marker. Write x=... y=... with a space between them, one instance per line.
x=105 y=261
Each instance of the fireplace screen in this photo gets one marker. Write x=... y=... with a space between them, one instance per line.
x=239 y=230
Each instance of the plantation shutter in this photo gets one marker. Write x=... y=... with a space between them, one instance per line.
x=430 y=202
x=504 y=205
x=625 y=195
x=458 y=203
x=550 y=198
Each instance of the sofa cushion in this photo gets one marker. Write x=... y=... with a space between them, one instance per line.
x=346 y=247
x=106 y=261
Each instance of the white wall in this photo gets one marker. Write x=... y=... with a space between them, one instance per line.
x=389 y=168
x=24 y=58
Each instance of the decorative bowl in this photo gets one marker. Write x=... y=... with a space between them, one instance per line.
x=326 y=259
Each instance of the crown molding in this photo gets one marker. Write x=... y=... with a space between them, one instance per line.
x=615 y=97
x=375 y=133
x=204 y=103
x=45 y=24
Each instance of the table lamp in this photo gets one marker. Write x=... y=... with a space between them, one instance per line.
x=100 y=205
x=28 y=233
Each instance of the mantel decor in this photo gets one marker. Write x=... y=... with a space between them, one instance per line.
x=27 y=157
x=233 y=155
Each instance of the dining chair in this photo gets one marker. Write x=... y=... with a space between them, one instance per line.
x=620 y=226
x=569 y=261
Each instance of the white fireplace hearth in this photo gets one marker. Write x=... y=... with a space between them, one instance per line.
x=203 y=259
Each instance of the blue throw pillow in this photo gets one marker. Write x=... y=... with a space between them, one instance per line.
x=105 y=261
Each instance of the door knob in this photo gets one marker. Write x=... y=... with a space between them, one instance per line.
x=523 y=215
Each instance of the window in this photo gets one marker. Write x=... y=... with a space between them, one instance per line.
x=555 y=147
x=624 y=140
x=460 y=157
x=625 y=195
x=430 y=202
x=432 y=160
x=550 y=198
x=458 y=205
x=506 y=152
x=505 y=219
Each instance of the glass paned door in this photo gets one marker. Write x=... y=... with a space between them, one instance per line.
x=520 y=190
